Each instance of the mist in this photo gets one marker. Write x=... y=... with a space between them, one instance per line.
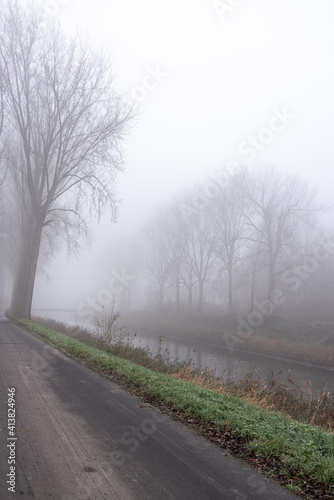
x=221 y=96
x=167 y=248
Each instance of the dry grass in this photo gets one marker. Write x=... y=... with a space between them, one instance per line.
x=299 y=351
x=120 y=344
x=298 y=403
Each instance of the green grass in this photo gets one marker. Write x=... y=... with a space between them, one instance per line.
x=299 y=403
x=304 y=453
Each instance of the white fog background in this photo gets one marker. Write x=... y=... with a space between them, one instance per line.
x=223 y=69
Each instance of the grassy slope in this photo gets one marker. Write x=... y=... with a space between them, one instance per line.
x=301 y=455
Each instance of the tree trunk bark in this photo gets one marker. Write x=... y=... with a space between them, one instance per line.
x=177 y=294
x=190 y=299
x=200 y=296
x=252 y=297
x=271 y=278
x=24 y=280
x=230 y=289
x=161 y=296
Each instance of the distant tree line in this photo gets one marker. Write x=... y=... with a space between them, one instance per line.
x=255 y=241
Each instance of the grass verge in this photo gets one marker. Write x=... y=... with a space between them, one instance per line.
x=298 y=455
x=299 y=403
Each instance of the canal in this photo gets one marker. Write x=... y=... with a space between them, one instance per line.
x=238 y=364
x=231 y=366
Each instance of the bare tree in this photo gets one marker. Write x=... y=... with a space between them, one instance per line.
x=279 y=206
x=199 y=254
x=176 y=233
x=228 y=214
x=252 y=237
x=2 y=166
x=157 y=254
x=2 y=205
x=67 y=124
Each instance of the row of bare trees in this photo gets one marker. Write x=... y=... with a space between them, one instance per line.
x=62 y=129
x=238 y=247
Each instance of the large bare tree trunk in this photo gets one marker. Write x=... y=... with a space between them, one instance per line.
x=24 y=282
x=65 y=124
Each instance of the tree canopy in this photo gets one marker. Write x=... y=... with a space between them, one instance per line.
x=62 y=137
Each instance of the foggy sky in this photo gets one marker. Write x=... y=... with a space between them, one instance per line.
x=206 y=83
